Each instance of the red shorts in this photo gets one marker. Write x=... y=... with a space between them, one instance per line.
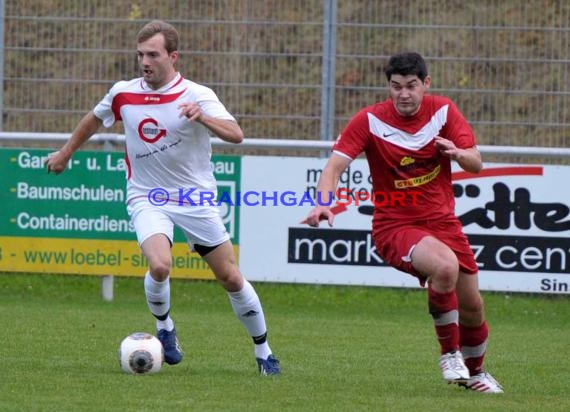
x=395 y=244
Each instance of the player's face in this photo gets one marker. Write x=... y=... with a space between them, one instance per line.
x=407 y=93
x=156 y=63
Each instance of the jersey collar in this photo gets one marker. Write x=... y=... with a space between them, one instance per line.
x=170 y=85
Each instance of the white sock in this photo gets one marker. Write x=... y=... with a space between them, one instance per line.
x=158 y=301
x=247 y=307
x=167 y=324
x=262 y=350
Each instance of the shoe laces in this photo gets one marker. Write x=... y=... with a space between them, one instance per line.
x=270 y=365
x=169 y=338
x=272 y=362
x=453 y=361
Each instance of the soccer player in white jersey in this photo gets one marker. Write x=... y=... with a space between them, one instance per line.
x=168 y=121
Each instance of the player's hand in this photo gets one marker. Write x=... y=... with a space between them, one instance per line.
x=56 y=162
x=319 y=213
x=191 y=111
x=447 y=147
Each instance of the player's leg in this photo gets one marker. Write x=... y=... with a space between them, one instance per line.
x=436 y=261
x=154 y=233
x=474 y=333
x=205 y=230
x=156 y=249
x=472 y=324
x=415 y=250
x=244 y=300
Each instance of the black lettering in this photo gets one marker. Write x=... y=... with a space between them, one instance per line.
x=551 y=285
x=519 y=212
x=332 y=247
x=313 y=175
x=529 y=254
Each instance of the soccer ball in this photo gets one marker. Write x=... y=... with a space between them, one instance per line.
x=141 y=353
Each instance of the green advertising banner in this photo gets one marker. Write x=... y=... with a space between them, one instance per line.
x=77 y=222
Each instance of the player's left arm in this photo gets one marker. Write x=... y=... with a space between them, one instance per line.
x=469 y=159
x=228 y=130
x=457 y=141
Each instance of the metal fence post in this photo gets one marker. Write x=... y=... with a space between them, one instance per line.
x=328 y=70
x=107 y=281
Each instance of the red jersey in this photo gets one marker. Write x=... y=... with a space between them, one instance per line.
x=411 y=180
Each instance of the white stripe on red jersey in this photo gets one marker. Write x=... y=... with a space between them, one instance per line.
x=402 y=156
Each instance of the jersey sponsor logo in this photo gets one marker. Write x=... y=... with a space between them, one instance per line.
x=407 y=160
x=149 y=131
x=419 y=180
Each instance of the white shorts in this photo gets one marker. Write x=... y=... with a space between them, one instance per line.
x=201 y=225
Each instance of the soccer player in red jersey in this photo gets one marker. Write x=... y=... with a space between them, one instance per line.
x=409 y=141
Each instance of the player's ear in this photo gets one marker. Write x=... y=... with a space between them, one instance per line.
x=427 y=81
x=174 y=57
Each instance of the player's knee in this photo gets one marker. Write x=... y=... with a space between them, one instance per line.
x=471 y=310
x=230 y=278
x=160 y=270
x=446 y=273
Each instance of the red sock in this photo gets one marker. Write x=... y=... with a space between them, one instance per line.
x=444 y=310
x=474 y=346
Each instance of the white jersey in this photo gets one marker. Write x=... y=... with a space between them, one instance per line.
x=163 y=150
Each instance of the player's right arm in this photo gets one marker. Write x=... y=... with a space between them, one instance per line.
x=326 y=187
x=86 y=128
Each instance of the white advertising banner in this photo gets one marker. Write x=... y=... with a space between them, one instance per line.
x=517 y=218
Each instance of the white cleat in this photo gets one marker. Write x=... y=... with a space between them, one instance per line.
x=453 y=367
x=483 y=382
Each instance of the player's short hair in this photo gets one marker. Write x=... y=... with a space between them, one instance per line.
x=405 y=64
x=158 y=26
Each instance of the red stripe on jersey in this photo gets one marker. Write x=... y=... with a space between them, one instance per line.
x=500 y=171
x=128 y=162
x=122 y=99
x=177 y=83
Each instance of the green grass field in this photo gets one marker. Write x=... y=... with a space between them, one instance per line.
x=341 y=349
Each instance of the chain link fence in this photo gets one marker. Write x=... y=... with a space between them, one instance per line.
x=299 y=69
